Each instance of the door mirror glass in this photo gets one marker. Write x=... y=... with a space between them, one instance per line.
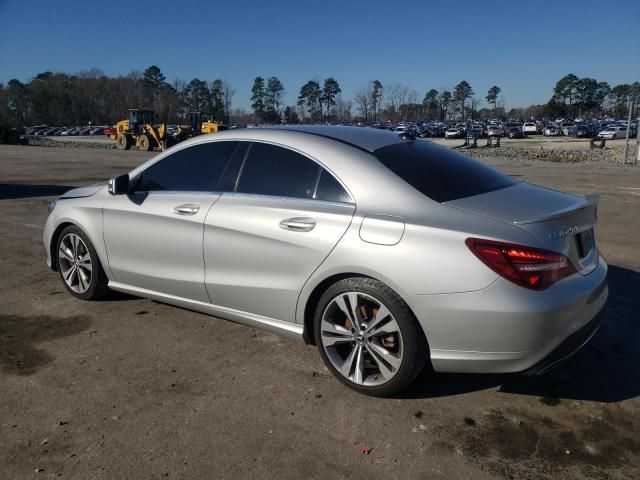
x=119 y=185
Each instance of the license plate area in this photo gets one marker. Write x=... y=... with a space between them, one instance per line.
x=584 y=241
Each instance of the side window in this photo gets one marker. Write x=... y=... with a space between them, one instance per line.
x=329 y=189
x=192 y=169
x=272 y=170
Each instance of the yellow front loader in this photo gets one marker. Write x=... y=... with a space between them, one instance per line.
x=139 y=130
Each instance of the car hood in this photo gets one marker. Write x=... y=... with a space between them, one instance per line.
x=83 y=191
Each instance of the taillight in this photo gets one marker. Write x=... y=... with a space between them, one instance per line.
x=526 y=266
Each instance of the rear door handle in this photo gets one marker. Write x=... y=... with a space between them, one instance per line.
x=186 y=209
x=298 y=224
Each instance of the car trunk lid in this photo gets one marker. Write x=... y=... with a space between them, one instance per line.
x=560 y=221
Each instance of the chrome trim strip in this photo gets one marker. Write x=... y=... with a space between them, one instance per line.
x=279 y=327
x=310 y=201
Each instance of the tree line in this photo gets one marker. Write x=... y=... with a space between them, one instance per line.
x=62 y=99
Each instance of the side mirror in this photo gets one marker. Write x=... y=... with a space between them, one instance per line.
x=119 y=185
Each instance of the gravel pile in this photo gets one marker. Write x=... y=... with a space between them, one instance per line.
x=606 y=155
x=47 y=142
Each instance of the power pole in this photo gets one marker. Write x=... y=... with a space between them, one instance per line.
x=626 y=141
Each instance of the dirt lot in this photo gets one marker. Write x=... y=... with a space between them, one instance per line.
x=129 y=388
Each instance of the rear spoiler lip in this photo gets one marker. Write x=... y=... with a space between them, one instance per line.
x=585 y=201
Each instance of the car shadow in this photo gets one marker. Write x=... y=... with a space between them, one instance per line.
x=607 y=369
x=9 y=191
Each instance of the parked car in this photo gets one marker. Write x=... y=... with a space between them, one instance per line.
x=551 y=131
x=515 y=132
x=450 y=133
x=529 y=128
x=611 y=133
x=582 y=131
x=494 y=131
x=475 y=132
x=567 y=129
x=472 y=272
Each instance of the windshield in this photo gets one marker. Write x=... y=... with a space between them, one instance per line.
x=439 y=173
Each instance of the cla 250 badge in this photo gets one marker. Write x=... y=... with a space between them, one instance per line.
x=563 y=233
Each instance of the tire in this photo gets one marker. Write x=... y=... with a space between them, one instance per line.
x=144 y=143
x=123 y=142
x=76 y=256
x=396 y=336
x=168 y=142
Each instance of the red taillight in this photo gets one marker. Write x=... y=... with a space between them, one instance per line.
x=528 y=267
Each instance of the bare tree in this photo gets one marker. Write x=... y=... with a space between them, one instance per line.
x=475 y=103
x=396 y=94
x=227 y=93
x=362 y=99
x=343 y=109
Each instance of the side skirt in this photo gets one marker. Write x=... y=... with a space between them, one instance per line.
x=287 y=329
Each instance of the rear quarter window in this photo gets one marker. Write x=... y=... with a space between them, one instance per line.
x=440 y=173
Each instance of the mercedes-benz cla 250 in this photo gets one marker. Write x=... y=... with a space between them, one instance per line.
x=387 y=252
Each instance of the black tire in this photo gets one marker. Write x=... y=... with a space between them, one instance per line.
x=168 y=142
x=98 y=284
x=123 y=142
x=416 y=349
x=144 y=143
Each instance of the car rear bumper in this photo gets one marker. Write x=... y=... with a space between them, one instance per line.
x=505 y=328
x=567 y=348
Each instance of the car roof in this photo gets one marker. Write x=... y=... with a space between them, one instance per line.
x=368 y=139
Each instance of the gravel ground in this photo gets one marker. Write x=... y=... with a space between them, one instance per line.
x=130 y=388
x=532 y=148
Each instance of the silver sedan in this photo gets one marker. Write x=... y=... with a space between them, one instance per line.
x=387 y=252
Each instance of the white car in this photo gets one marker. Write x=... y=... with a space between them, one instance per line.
x=452 y=133
x=551 y=131
x=530 y=128
x=611 y=133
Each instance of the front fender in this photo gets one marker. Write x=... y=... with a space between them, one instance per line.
x=86 y=215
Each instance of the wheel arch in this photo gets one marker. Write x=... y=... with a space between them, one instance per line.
x=311 y=301
x=55 y=236
x=54 y=242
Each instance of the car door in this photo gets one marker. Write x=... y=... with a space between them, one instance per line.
x=153 y=235
x=265 y=236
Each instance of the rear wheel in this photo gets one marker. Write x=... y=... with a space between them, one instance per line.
x=368 y=337
x=123 y=142
x=144 y=143
x=79 y=266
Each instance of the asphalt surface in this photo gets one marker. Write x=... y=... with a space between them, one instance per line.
x=129 y=388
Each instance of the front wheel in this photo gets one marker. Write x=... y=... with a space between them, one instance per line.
x=368 y=337
x=79 y=266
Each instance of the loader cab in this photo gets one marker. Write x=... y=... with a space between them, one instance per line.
x=139 y=118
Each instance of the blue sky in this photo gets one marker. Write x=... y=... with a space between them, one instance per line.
x=524 y=47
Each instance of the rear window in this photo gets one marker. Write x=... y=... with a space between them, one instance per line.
x=439 y=173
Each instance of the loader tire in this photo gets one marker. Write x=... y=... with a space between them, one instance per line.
x=123 y=142
x=144 y=143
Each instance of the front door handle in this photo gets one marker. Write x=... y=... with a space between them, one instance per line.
x=298 y=224
x=186 y=209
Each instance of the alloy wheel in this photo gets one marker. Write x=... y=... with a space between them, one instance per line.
x=75 y=263
x=361 y=338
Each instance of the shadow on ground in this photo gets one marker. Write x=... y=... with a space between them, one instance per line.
x=607 y=369
x=10 y=191
x=20 y=336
